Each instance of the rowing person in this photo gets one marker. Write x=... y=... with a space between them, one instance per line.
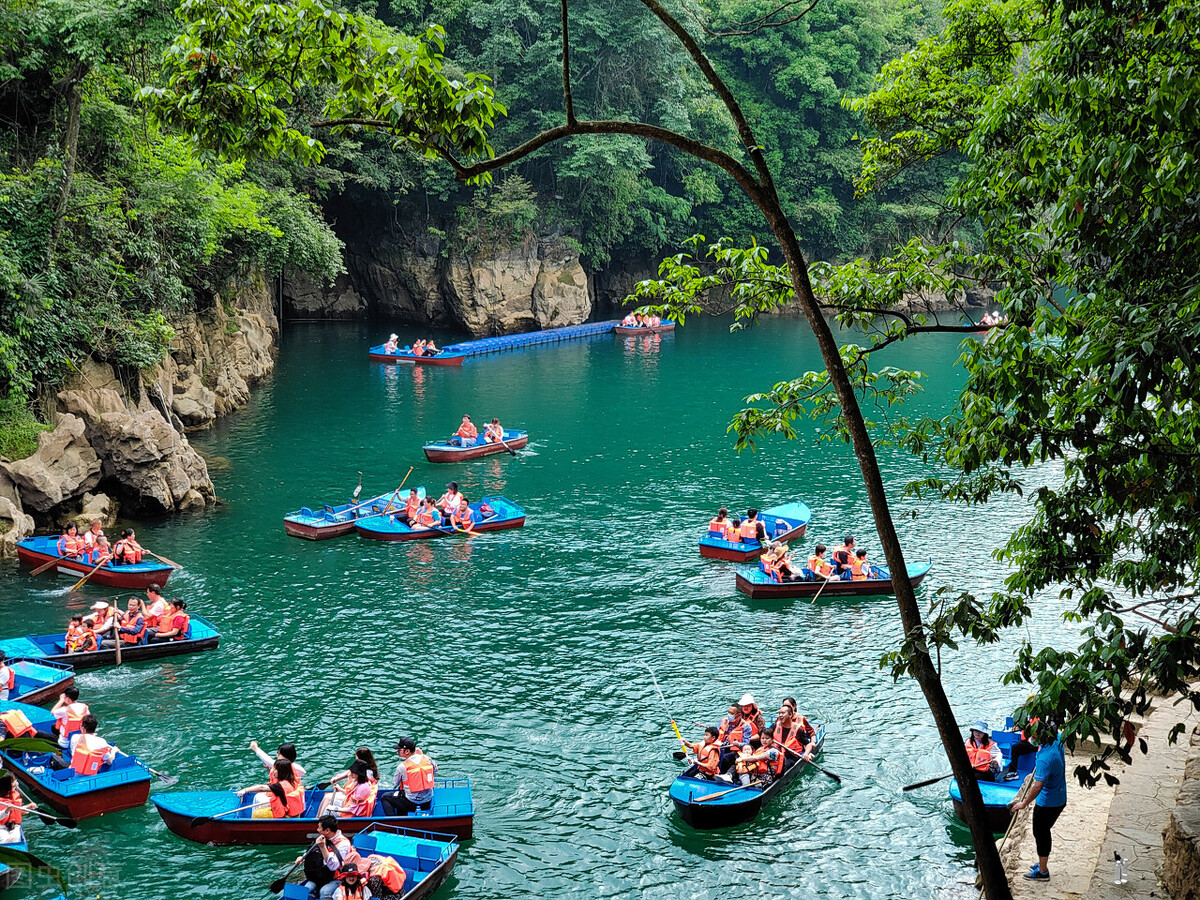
x=335 y=850
x=818 y=565
x=842 y=555
x=86 y=750
x=708 y=753
x=12 y=810
x=72 y=543
x=467 y=434
x=281 y=798
x=127 y=551
x=493 y=432
x=789 y=734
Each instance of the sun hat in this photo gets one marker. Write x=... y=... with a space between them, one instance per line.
x=747 y=699
x=99 y=604
x=981 y=726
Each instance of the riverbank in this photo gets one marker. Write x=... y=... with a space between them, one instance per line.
x=1129 y=819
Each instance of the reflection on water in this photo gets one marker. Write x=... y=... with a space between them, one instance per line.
x=518 y=657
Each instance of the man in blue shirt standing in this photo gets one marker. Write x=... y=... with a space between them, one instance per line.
x=1049 y=793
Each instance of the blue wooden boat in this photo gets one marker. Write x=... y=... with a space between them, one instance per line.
x=404 y=355
x=998 y=794
x=505 y=514
x=443 y=452
x=426 y=857
x=333 y=521
x=754 y=582
x=37 y=551
x=202 y=635
x=39 y=680
x=10 y=874
x=452 y=813
x=735 y=805
x=122 y=784
x=782 y=523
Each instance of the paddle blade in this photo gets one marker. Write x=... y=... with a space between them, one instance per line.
x=830 y=774
x=276 y=886
x=679 y=754
x=23 y=859
x=921 y=784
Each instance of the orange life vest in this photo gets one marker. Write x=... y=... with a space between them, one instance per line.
x=750 y=766
x=708 y=759
x=467 y=431
x=82 y=640
x=727 y=727
x=819 y=565
x=127 y=621
x=749 y=530
x=74 y=719
x=293 y=794
x=418 y=770
x=367 y=806
x=771 y=568
x=128 y=549
x=389 y=872
x=71 y=545
x=428 y=518
x=153 y=621
x=787 y=737
x=89 y=754
x=452 y=501
x=16 y=723
x=8 y=814
x=718 y=526
x=183 y=629
x=412 y=507
x=494 y=433
x=9 y=676
x=980 y=757
x=856 y=569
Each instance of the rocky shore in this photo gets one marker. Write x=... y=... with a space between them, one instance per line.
x=119 y=439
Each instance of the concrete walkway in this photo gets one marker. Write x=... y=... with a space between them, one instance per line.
x=1128 y=819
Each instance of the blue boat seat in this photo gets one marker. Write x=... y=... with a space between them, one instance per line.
x=293 y=891
x=365 y=844
x=427 y=857
x=719 y=535
x=809 y=574
x=305 y=511
x=62 y=774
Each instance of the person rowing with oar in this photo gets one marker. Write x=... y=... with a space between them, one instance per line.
x=708 y=753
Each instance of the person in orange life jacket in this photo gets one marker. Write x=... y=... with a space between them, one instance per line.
x=86 y=751
x=12 y=810
x=493 y=432
x=71 y=543
x=282 y=795
x=8 y=678
x=733 y=532
x=412 y=506
x=80 y=636
x=127 y=551
x=786 y=732
x=392 y=344
x=175 y=627
x=984 y=753
x=751 y=528
x=418 y=348
x=335 y=850
x=744 y=733
x=428 y=517
x=842 y=555
x=92 y=536
x=464 y=518
x=761 y=764
x=718 y=525
x=708 y=753
x=131 y=627
x=385 y=877
x=860 y=569
x=430 y=349
x=68 y=715
x=817 y=563
x=102 y=620
x=15 y=724
x=367 y=758
x=350 y=884
x=285 y=751
x=412 y=785
x=99 y=553
x=360 y=792
x=449 y=501
x=466 y=435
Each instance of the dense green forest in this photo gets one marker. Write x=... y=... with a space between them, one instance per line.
x=110 y=224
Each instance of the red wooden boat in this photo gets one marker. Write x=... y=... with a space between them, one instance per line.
x=632 y=330
x=40 y=680
x=782 y=523
x=441 y=452
x=378 y=354
x=37 y=551
x=756 y=583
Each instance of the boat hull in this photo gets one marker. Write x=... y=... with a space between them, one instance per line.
x=787 y=522
x=632 y=330
x=447 y=453
x=998 y=817
x=454 y=817
x=46 y=647
x=442 y=359
x=39 y=551
x=389 y=528
x=90 y=805
x=754 y=583
x=41 y=680
x=734 y=808
x=316 y=532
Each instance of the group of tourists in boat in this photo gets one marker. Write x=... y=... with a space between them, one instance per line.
x=637 y=320
x=92 y=547
x=468 y=435
x=142 y=622
x=451 y=510
x=418 y=348
x=848 y=563
x=742 y=747
x=74 y=730
x=988 y=760
x=752 y=527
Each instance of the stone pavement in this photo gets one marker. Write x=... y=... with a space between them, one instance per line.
x=1128 y=819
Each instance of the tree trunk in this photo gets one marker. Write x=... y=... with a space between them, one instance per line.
x=991 y=870
x=74 y=87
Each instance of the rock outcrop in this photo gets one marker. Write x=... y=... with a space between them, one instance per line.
x=1181 y=837
x=124 y=433
x=535 y=284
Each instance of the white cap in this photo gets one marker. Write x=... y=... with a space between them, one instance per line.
x=100 y=604
x=747 y=700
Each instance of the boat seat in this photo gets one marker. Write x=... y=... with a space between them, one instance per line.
x=292 y=891
x=365 y=844
x=65 y=774
x=427 y=857
x=719 y=535
x=305 y=511
x=329 y=509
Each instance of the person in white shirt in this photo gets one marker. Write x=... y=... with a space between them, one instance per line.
x=285 y=751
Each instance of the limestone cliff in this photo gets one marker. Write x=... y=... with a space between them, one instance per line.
x=539 y=283
x=120 y=438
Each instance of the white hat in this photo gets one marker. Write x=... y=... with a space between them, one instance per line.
x=393 y=337
x=99 y=604
x=747 y=700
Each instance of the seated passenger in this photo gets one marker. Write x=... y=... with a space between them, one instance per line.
x=94 y=533
x=751 y=528
x=334 y=850
x=412 y=506
x=392 y=345
x=984 y=753
x=11 y=810
x=342 y=781
x=99 y=553
x=717 y=526
x=733 y=533
x=759 y=765
x=413 y=783
x=817 y=563
x=449 y=501
x=860 y=570
x=708 y=753
x=655 y=320
x=628 y=321
x=493 y=432
x=466 y=434
x=385 y=877
x=68 y=715
x=8 y=678
x=464 y=518
x=359 y=799
x=157 y=613
x=285 y=751
x=86 y=751
x=101 y=620
x=15 y=724
x=418 y=348
x=132 y=624
x=351 y=885
x=80 y=636
x=175 y=626
x=127 y=551
x=428 y=517
x=430 y=349
x=71 y=544
x=842 y=555
x=281 y=798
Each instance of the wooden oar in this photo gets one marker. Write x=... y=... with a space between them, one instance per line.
x=116 y=635
x=828 y=578
x=397 y=491
x=200 y=820
x=166 y=779
x=44 y=566
x=77 y=585
x=667 y=710
x=162 y=558
x=740 y=787
x=921 y=784
x=800 y=755
x=505 y=446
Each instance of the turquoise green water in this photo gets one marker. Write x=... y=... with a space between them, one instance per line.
x=519 y=658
